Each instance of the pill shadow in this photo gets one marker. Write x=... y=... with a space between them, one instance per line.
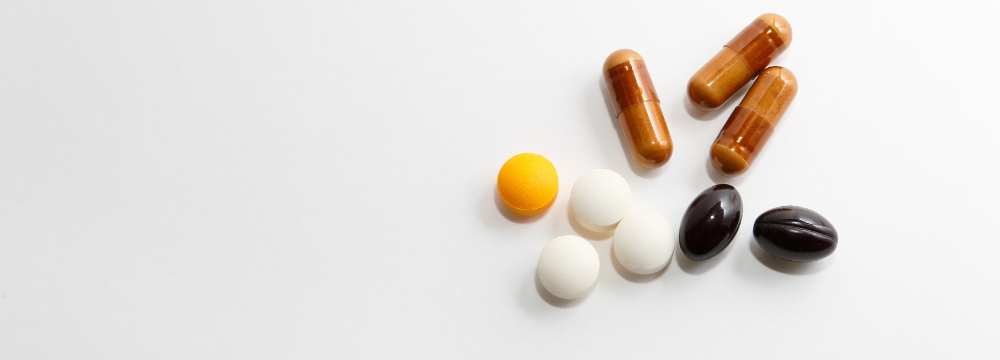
x=582 y=231
x=510 y=215
x=631 y=276
x=702 y=266
x=626 y=150
x=554 y=300
x=784 y=266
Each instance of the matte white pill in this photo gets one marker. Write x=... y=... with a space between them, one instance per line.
x=600 y=199
x=644 y=242
x=568 y=267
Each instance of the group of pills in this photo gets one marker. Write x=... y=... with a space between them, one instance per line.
x=643 y=241
x=745 y=56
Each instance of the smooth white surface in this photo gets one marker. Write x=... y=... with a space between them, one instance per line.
x=316 y=180
x=644 y=242
x=568 y=267
x=600 y=199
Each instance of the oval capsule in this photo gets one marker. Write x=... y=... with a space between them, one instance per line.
x=739 y=61
x=711 y=222
x=753 y=121
x=638 y=108
x=795 y=233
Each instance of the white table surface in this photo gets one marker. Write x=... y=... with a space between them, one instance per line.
x=316 y=180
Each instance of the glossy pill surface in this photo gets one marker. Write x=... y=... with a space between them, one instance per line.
x=711 y=222
x=568 y=267
x=739 y=61
x=644 y=242
x=795 y=233
x=753 y=121
x=527 y=184
x=600 y=199
x=638 y=108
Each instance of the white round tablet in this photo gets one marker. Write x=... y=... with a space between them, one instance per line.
x=600 y=199
x=568 y=267
x=644 y=242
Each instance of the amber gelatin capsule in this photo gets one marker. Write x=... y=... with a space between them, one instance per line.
x=753 y=121
x=739 y=61
x=638 y=108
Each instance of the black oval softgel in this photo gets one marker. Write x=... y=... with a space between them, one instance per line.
x=710 y=222
x=795 y=233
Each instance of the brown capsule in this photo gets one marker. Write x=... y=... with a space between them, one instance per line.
x=739 y=61
x=638 y=108
x=753 y=121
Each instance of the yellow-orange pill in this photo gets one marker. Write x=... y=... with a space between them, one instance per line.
x=528 y=184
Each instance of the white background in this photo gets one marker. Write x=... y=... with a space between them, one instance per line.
x=294 y=180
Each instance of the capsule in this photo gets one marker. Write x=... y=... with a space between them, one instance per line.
x=753 y=121
x=739 y=61
x=638 y=108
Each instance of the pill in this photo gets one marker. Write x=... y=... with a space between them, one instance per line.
x=600 y=199
x=644 y=242
x=568 y=267
x=711 y=222
x=753 y=121
x=527 y=184
x=638 y=108
x=795 y=233
x=739 y=61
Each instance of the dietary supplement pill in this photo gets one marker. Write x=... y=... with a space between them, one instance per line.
x=527 y=184
x=638 y=108
x=568 y=267
x=644 y=242
x=753 y=121
x=739 y=61
x=711 y=222
x=600 y=199
x=795 y=233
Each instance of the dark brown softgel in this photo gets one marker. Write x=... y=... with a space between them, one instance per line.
x=795 y=233
x=711 y=222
